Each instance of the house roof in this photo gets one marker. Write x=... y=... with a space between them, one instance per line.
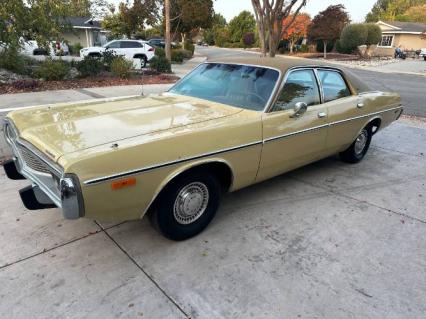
x=83 y=23
x=404 y=27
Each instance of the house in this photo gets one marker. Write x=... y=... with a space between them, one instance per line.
x=85 y=31
x=410 y=36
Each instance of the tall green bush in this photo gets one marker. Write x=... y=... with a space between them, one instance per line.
x=89 y=66
x=121 y=67
x=374 y=34
x=160 y=64
x=11 y=60
x=188 y=45
x=53 y=70
x=353 y=35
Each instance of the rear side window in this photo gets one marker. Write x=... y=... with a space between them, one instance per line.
x=333 y=85
x=130 y=44
x=300 y=86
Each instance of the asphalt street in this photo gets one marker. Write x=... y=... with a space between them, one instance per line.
x=411 y=87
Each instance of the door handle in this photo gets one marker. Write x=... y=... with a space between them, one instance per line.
x=322 y=114
x=360 y=105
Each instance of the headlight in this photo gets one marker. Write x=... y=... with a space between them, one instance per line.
x=71 y=197
x=9 y=133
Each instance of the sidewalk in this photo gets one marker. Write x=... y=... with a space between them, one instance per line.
x=12 y=101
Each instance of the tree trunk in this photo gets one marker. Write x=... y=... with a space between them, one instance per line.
x=183 y=36
x=325 y=49
x=291 y=46
x=168 y=40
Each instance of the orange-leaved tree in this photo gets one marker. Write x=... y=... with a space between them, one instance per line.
x=298 y=29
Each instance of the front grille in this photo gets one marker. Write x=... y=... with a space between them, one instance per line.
x=32 y=161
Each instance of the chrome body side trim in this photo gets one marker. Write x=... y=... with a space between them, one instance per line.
x=151 y=167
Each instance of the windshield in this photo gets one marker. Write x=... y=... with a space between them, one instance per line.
x=244 y=86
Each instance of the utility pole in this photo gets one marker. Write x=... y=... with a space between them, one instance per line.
x=168 y=40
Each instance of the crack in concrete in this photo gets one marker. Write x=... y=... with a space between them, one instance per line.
x=391 y=150
x=46 y=250
x=170 y=298
x=361 y=201
x=90 y=93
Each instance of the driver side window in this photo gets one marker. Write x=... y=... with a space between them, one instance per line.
x=300 y=86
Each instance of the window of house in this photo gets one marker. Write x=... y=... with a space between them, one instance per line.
x=386 y=41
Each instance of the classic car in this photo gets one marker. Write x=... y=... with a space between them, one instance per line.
x=228 y=124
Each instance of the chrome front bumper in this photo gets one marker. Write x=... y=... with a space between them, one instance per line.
x=48 y=180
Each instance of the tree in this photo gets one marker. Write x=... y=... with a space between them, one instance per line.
x=414 y=14
x=218 y=22
x=187 y=15
x=390 y=10
x=328 y=25
x=131 y=19
x=297 y=30
x=88 y=8
x=241 y=24
x=269 y=19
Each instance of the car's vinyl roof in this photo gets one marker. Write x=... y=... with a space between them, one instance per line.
x=285 y=63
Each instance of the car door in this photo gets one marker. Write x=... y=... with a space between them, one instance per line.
x=114 y=46
x=294 y=137
x=344 y=109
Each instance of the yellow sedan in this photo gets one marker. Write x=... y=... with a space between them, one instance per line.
x=226 y=125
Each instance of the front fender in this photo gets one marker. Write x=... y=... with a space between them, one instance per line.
x=184 y=168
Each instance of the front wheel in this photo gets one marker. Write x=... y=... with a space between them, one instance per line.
x=356 y=152
x=187 y=205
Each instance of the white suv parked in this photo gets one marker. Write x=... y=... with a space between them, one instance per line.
x=423 y=53
x=130 y=49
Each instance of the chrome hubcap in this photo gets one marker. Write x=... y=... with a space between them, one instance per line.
x=360 y=142
x=191 y=203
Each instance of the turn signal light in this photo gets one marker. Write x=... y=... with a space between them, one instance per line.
x=123 y=183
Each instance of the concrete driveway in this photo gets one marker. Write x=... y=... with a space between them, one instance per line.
x=330 y=240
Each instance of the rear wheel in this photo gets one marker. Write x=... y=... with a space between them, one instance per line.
x=356 y=152
x=143 y=61
x=187 y=205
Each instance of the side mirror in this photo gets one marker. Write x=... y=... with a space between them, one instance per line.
x=299 y=109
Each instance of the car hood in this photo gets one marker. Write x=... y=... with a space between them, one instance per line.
x=60 y=129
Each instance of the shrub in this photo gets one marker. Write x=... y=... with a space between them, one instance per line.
x=107 y=58
x=374 y=34
x=25 y=84
x=304 y=48
x=11 y=60
x=188 y=45
x=248 y=39
x=353 y=35
x=342 y=49
x=160 y=52
x=53 y=70
x=187 y=54
x=89 y=66
x=160 y=64
x=75 y=49
x=121 y=67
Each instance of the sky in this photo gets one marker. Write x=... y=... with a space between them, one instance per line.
x=357 y=8
x=230 y=8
